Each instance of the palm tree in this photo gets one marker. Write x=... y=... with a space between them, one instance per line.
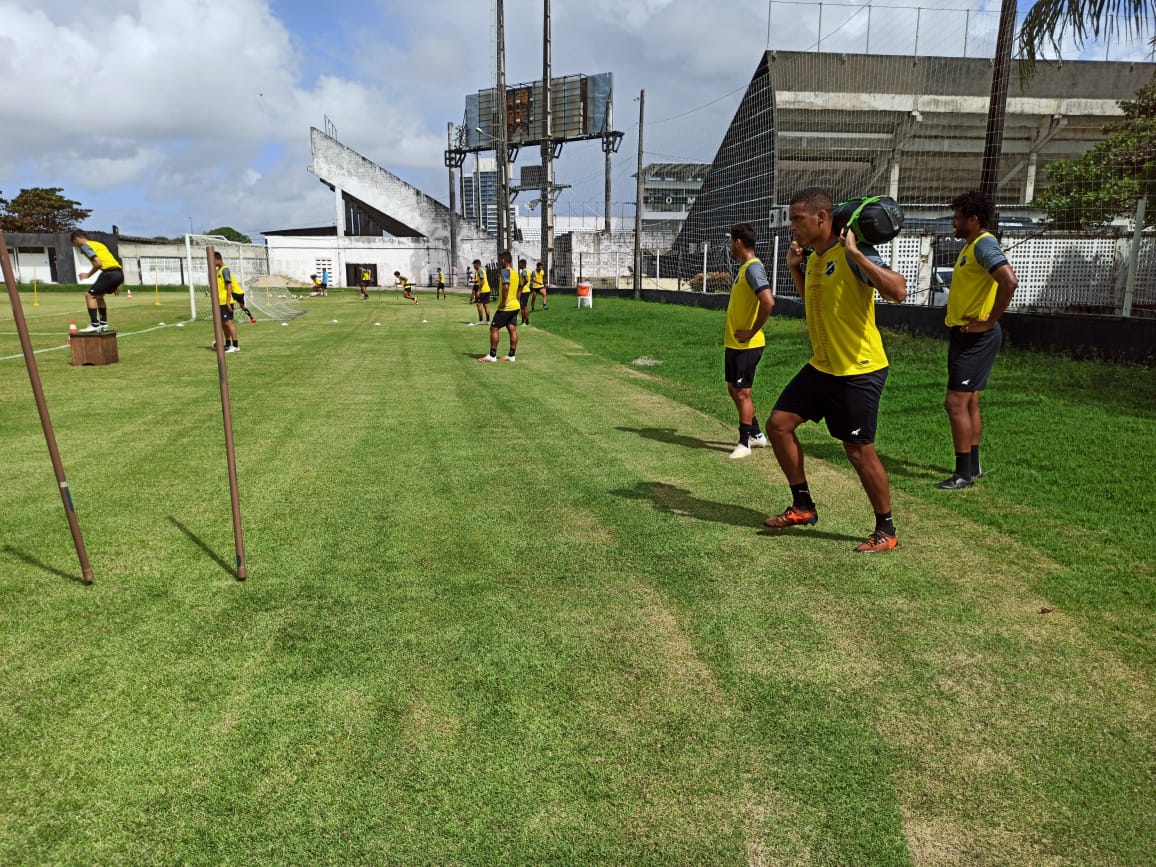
x=1048 y=21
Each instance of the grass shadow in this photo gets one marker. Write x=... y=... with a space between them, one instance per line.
x=670 y=436
x=25 y=557
x=677 y=501
x=196 y=540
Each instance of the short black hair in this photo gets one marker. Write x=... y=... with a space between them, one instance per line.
x=745 y=234
x=217 y=255
x=815 y=198
x=521 y=261
x=396 y=273
x=78 y=234
x=539 y=264
x=973 y=203
x=505 y=257
x=476 y=262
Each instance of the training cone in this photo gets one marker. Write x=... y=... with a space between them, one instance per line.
x=71 y=326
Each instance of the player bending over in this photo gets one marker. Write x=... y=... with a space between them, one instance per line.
x=109 y=281
x=404 y=283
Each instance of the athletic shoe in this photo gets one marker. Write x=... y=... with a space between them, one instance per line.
x=104 y=326
x=978 y=474
x=758 y=441
x=792 y=517
x=740 y=451
x=233 y=349
x=507 y=358
x=545 y=306
x=877 y=543
x=90 y=329
x=955 y=483
x=487 y=358
x=252 y=320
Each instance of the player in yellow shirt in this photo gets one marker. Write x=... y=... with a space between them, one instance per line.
x=225 y=284
x=406 y=287
x=481 y=290
x=109 y=282
x=441 y=286
x=235 y=288
x=982 y=285
x=524 y=291
x=507 y=313
x=363 y=280
x=538 y=287
x=748 y=309
x=844 y=378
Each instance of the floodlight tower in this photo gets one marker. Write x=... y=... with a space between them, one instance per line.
x=502 y=143
x=547 y=254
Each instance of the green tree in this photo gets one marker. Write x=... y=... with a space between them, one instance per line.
x=1107 y=181
x=41 y=209
x=1049 y=21
x=231 y=234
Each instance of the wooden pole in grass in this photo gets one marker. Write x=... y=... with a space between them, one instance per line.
x=230 y=456
x=42 y=408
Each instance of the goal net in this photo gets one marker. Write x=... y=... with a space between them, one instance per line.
x=268 y=296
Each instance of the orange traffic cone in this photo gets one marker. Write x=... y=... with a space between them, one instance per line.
x=130 y=294
x=71 y=330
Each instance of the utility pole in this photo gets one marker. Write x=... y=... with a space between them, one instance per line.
x=997 y=106
x=609 y=152
x=503 y=153
x=638 y=201
x=453 y=263
x=547 y=201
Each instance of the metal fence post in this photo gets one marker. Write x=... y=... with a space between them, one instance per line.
x=1134 y=257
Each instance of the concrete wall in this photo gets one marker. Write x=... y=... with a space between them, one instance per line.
x=64 y=259
x=347 y=171
x=297 y=257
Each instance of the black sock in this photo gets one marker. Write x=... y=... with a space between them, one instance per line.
x=801 y=497
x=884 y=523
x=92 y=315
x=963 y=464
x=102 y=314
x=745 y=434
x=975 y=467
x=755 y=429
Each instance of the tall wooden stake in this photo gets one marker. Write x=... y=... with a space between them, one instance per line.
x=226 y=412
x=42 y=408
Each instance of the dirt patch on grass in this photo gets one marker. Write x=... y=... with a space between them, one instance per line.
x=582 y=525
x=940 y=842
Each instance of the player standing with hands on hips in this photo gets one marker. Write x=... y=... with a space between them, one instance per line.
x=110 y=279
x=844 y=379
x=982 y=285
x=749 y=308
x=507 y=312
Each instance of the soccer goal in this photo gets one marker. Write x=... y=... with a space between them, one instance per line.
x=268 y=296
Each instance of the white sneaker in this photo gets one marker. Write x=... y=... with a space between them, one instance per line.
x=488 y=358
x=759 y=441
x=90 y=329
x=233 y=349
x=507 y=358
x=740 y=451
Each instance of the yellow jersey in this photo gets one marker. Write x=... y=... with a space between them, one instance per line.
x=225 y=279
x=840 y=305
x=973 y=289
x=523 y=281
x=743 y=307
x=96 y=250
x=537 y=280
x=482 y=282
x=511 y=300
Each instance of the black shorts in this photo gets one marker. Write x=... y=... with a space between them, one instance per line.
x=108 y=282
x=226 y=313
x=970 y=358
x=502 y=318
x=524 y=300
x=239 y=299
x=740 y=366
x=850 y=404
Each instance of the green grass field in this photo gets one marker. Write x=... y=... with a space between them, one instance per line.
x=527 y=614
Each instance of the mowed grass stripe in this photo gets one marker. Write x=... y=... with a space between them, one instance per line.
x=633 y=674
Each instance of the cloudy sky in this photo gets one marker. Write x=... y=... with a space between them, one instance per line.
x=161 y=114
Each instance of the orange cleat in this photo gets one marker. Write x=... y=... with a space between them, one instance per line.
x=792 y=517
x=877 y=543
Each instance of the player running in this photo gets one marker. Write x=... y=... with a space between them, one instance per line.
x=404 y=283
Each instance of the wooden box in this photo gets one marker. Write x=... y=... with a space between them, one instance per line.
x=98 y=348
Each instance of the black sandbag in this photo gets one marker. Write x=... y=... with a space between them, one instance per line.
x=873 y=219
